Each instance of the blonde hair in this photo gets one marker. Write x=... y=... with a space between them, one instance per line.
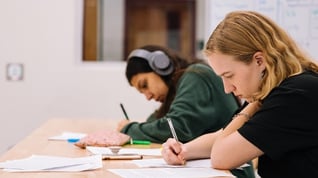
x=243 y=33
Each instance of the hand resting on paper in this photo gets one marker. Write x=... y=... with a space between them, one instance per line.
x=103 y=139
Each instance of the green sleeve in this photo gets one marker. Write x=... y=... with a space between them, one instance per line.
x=200 y=107
x=152 y=117
x=244 y=172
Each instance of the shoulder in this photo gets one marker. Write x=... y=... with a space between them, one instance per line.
x=301 y=88
x=307 y=75
x=200 y=75
x=198 y=66
x=200 y=69
x=305 y=80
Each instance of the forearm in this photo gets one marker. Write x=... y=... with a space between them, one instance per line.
x=223 y=155
x=201 y=146
x=240 y=118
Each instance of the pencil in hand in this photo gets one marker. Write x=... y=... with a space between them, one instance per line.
x=124 y=111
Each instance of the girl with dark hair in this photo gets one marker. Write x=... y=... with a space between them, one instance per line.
x=190 y=93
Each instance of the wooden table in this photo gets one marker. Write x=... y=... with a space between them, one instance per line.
x=37 y=143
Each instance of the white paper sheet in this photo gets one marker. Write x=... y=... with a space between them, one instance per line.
x=68 y=135
x=52 y=163
x=160 y=163
x=139 y=151
x=169 y=172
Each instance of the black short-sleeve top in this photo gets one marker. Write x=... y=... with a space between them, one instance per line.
x=286 y=129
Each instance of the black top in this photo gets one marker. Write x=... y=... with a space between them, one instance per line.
x=285 y=129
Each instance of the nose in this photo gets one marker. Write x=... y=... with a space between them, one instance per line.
x=228 y=88
x=148 y=95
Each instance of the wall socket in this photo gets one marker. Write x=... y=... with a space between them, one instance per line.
x=15 y=72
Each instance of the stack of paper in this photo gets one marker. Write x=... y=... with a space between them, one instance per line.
x=52 y=163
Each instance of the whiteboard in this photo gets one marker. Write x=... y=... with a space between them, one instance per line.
x=298 y=17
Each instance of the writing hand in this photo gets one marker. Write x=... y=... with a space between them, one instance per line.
x=174 y=152
x=121 y=124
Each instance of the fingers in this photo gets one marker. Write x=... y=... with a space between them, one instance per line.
x=172 y=152
x=122 y=124
x=94 y=139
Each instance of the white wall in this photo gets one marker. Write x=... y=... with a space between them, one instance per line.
x=298 y=18
x=45 y=36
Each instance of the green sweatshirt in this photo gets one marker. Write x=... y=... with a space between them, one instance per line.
x=200 y=106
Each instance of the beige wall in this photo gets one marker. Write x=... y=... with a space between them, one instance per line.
x=45 y=36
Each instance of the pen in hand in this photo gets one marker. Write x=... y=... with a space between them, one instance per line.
x=175 y=137
x=124 y=111
x=172 y=129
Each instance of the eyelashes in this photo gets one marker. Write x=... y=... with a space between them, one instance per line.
x=229 y=76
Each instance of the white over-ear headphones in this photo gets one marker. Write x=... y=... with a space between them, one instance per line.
x=157 y=60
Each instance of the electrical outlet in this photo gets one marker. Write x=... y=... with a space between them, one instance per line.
x=15 y=71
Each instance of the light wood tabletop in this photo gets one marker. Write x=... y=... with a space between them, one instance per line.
x=37 y=143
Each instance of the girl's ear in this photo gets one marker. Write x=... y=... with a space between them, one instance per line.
x=259 y=59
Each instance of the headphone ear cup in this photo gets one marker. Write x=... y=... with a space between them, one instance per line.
x=157 y=60
x=161 y=63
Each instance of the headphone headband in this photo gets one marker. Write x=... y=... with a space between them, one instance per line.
x=157 y=60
